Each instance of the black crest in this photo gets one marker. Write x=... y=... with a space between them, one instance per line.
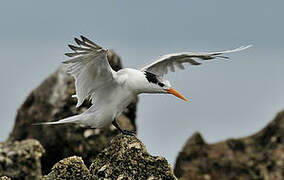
x=152 y=78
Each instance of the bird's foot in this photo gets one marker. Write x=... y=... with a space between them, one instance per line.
x=128 y=132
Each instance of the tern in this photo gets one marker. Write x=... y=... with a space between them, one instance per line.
x=111 y=92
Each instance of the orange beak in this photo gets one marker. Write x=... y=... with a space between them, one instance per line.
x=177 y=94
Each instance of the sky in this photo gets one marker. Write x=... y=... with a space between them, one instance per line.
x=230 y=99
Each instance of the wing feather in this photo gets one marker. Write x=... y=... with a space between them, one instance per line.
x=75 y=54
x=76 y=48
x=89 y=66
x=172 y=67
x=170 y=61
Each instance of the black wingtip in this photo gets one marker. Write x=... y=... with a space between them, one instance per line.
x=83 y=38
x=76 y=48
x=71 y=47
x=79 y=42
x=223 y=57
x=68 y=54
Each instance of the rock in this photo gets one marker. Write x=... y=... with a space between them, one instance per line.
x=127 y=158
x=52 y=101
x=5 y=178
x=69 y=168
x=124 y=158
x=259 y=156
x=21 y=159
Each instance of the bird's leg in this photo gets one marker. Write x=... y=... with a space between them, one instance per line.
x=125 y=132
x=116 y=125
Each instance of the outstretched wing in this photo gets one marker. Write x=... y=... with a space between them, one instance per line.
x=89 y=66
x=170 y=61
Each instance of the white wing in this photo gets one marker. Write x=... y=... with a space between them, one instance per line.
x=170 y=61
x=89 y=67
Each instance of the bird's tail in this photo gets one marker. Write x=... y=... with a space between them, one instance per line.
x=72 y=119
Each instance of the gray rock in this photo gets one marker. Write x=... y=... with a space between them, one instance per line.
x=52 y=101
x=127 y=158
x=21 y=159
x=259 y=156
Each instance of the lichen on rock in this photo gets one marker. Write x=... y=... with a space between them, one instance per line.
x=124 y=158
x=127 y=158
x=21 y=159
x=69 y=168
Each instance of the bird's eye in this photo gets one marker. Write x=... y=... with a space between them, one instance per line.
x=161 y=84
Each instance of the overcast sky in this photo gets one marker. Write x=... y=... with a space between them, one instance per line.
x=230 y=99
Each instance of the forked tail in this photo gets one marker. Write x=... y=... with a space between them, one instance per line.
x=72 y=119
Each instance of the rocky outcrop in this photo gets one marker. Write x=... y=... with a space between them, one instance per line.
x=52 y=101
x=125 y=158
x=260 y=156
x=21 y=159
x=69 y=168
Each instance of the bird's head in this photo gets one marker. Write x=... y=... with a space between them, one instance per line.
x=160 y=85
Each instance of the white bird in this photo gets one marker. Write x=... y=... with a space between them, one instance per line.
x=111 y=92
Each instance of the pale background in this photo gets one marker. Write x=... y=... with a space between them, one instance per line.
x=230 y=99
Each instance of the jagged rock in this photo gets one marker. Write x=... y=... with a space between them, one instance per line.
x=260 y=156
x=127 y=158
x=124 y=158
x=52 y=101
x=69 y=168
x=21 y=159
